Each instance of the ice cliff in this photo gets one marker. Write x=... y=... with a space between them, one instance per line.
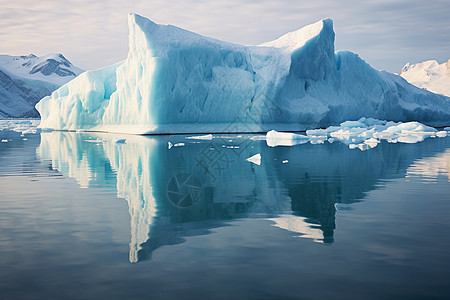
x=174 y=80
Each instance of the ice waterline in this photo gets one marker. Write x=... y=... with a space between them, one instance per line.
x=363 y=134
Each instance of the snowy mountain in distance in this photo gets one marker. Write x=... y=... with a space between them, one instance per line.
x=177 y=81
x=429 y=75
x=24 y=80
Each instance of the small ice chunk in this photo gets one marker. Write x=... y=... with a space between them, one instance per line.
x=206 y=137
x=366 y=145
x=441 y=134
x=285 y=161
x=4 y=141
x=318 y=140
x=372 y=142
x=447 y=128
x=275 y=138
x=25 y=139
x=347 y=133
x=256 y=159
x=317 y=133
x=169 y=145
x=179 y=144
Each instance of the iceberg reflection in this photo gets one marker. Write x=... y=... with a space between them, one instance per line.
x=431 y=168
x=187 y=191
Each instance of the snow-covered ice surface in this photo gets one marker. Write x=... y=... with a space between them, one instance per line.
x=176 y=81
x=364 y=134
x=429 y=75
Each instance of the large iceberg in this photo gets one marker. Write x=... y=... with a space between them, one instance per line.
x=174 y=80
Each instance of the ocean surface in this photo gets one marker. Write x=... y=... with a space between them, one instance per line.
x=110 y=216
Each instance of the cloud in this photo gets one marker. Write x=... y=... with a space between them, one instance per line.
x=93 y=34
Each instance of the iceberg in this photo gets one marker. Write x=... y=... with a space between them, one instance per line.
x=176 y=81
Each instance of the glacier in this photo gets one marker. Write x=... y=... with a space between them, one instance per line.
x=176 y=81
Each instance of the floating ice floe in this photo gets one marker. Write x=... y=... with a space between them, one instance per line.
x=363 y=134
x=206 y=137
x=19 y=125
x=256 y=159
x=275 y=138
x=170 y=145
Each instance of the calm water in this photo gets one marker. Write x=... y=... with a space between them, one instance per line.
x=88 y=216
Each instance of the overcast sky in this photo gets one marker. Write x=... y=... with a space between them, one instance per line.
x=93 y=34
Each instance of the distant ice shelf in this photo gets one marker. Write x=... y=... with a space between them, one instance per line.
x=176 y=81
